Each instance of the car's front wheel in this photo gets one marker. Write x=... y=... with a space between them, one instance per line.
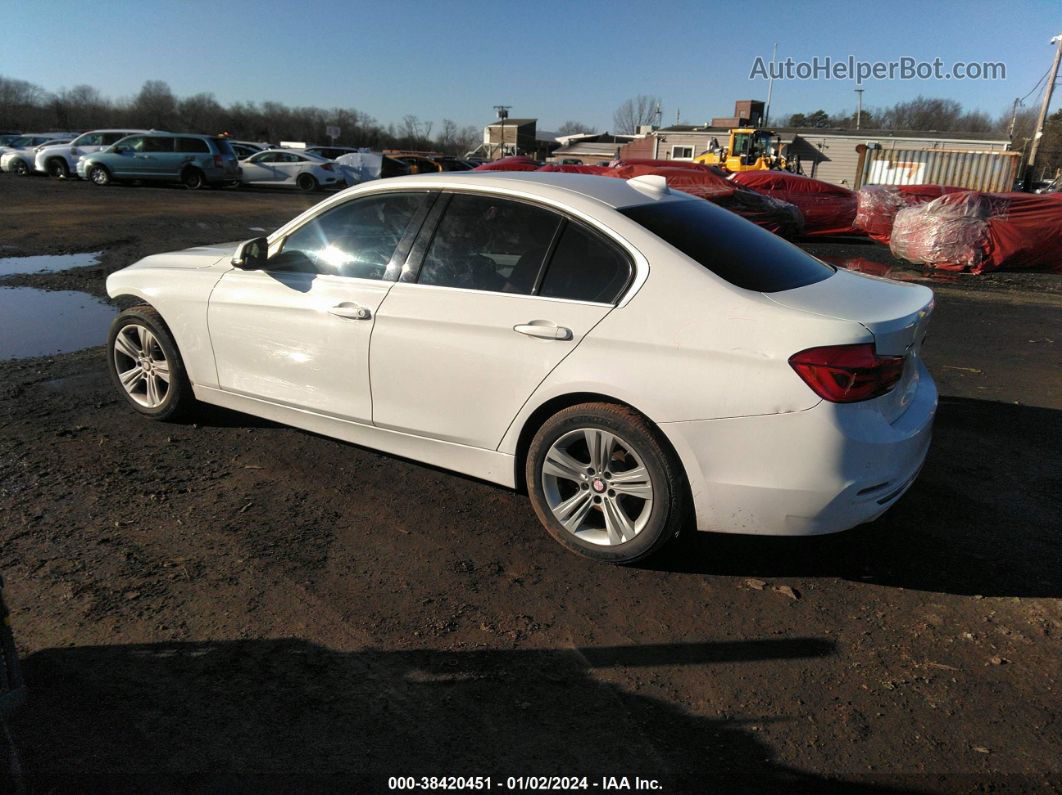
x=99 y=176
x=20 y=168
x=306 y=182
x=605 y=483
x=58 y=169
x=146 y=366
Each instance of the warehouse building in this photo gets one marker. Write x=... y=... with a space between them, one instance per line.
x=826 y=154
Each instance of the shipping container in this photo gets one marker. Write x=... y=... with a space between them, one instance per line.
x=992 y=171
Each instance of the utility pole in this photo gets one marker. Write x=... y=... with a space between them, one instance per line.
x=503 y=114
x=770 y=86
x=1013 y=119
x=859 y=107
x=1048 y=90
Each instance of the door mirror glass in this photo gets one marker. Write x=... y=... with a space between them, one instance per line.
x=251 y=255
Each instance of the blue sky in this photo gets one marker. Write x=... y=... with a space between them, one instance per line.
x=549 y=60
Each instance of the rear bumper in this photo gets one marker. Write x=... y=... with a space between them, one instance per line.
x=818 y=471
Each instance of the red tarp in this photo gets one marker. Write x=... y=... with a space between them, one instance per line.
x=828 y=209
x=689 y=164
x=515 y=163
x=772 y=214
x=877 y=205
x=982 y=232
x=574 y=169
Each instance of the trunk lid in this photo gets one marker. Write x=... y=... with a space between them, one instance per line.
x=896 y=314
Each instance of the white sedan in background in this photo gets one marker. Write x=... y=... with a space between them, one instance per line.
x=638 y=360
x=290 y=168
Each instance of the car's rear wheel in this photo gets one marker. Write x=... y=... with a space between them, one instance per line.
x=306 y=182
x=146 y=366
x=605 y=483
x=193 y=179
x=99 y=175
x=20 y=168
x=58 y=169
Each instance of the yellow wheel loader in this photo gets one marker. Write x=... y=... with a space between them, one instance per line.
x=749 y=149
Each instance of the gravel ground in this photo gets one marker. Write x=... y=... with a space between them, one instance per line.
x=228 y=604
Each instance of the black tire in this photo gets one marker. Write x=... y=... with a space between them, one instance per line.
x=193 y=179
x=670 y=508
x=20 y=168
x=99 y=175
x=179 y=399
x=58 y=168
x=306 y=182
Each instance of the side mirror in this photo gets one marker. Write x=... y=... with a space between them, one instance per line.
x=251 y=255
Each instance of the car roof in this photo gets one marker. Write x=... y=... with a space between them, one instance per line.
x=311 y=155
x=610 y=191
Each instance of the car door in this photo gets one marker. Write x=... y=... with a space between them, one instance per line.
x=123 y=159
x=486 y=309
x=297 y=332
x=155 y=158
x=259 y=169
x=288 y=167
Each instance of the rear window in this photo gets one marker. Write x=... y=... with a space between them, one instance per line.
x=192 y=145
x=729 y=246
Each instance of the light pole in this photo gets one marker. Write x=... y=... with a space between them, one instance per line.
x=859 y=107
x=503 y=114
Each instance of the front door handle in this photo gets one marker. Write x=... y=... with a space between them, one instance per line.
x=544 y=329
x=351 y=311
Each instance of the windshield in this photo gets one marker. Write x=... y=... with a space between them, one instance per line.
x=729 y=246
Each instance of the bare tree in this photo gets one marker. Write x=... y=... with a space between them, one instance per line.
x=635 y=112
x=155 y=106
x=572 y=127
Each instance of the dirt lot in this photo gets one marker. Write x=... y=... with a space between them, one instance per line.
x=232 y=605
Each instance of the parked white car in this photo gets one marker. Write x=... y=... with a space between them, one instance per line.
x=290 y=168
x=635 y=358
x=60 y=161
x=17 y=156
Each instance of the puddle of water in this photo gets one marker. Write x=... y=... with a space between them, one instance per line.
x=9 y=266
x=44 y=322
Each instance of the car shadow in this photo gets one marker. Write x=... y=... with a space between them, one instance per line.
x=266 y=714
x=982 y=518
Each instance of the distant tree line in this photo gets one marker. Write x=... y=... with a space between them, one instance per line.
x=947 y=115
x=28 y=107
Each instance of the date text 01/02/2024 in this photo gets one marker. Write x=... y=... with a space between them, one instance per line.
x=538 y=783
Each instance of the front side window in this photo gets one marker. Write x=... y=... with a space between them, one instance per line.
x=485 y=243
x=265 y=157
x=355 y=239
x=90 y=139
x=732 y=248
x=585 y=268
x=134 y=143
x=157 y=143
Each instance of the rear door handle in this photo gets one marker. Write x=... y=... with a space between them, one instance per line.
x=351 y=311
x=544 y=329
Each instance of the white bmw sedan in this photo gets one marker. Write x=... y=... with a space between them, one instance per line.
x=290 y=168
x=638 y=360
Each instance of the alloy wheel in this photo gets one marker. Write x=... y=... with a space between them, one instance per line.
x=142 y=366
x=597 y=486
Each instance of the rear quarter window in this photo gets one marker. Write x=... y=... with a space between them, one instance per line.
x=732 y=248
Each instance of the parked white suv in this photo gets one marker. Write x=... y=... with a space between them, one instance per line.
x=18 y=155
x=61 y=161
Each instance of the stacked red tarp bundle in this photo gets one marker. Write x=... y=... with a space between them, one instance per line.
x=980 y=232
x=515 y=163
x=571 y=168
x=877 y=205
x=828 y=209
x=772 y=214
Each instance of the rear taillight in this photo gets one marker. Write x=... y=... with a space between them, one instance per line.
x=326 y=166
x=218 y=162
x=847 y=373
